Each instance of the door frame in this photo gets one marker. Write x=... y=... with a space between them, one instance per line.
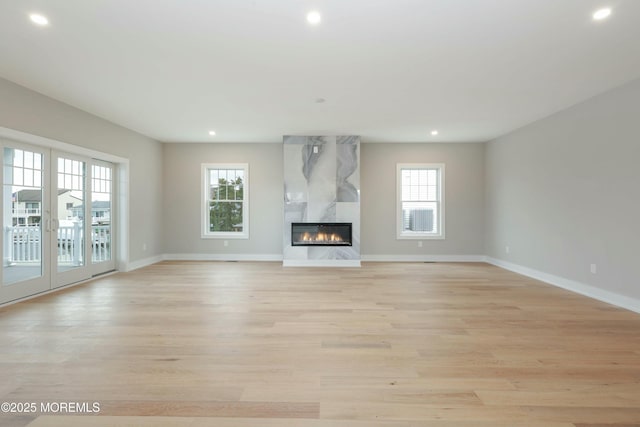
x=120 y=251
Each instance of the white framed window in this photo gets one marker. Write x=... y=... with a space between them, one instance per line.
x=420 y=201
x=225 y=200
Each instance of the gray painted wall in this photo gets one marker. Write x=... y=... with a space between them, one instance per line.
x=464 y=198
x=30 y=112
x=182 y=200
x=564 y=193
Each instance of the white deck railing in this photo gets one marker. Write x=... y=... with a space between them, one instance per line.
x=26 y=211
x=24 y=244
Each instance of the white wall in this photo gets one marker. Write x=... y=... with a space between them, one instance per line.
x=464 y=200
x=182 y=200
x=30 y=112
x=564 y=193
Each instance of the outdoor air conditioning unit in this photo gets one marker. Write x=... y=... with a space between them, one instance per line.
x=418 y=220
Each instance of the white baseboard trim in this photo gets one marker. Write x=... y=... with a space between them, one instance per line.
x=570 y=285
x=142 y=263
x=423 y=258
x=321 y=263
x=222 y=257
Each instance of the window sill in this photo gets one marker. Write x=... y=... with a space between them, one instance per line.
x=226 y=236
x=414 y=236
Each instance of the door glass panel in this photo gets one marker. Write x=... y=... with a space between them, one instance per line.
x=71 y=197
x=22 y=197
x=101 y=192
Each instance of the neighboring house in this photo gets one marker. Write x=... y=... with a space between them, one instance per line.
x=27 y=205
x=100 y=212
x=67 y=201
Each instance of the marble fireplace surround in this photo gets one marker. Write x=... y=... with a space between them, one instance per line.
x=321 y=184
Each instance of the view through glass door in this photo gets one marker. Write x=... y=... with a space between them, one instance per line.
x=57 y=219
x=69 y=207
x=83 y=221
x=102 y=259
x=25 y=238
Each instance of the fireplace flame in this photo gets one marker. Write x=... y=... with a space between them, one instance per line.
x=320 y=237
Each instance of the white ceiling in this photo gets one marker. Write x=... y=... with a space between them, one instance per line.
x=390 y=70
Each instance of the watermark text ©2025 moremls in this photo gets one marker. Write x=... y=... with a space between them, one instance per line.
x=50 y=407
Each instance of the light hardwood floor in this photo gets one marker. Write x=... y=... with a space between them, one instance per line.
x=387 y=345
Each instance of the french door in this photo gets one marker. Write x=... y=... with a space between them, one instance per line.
x=57 y=219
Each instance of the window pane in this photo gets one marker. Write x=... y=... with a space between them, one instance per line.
x=28 y=159
x=225 y=216
x=18 y=158
x=17 y=176
x=415 y=176
x=423 y=193
x=419 y=217
x=405 y=192
x=414 y=193
x=432 y=193
x=423 y=176
x=28 y=177
x=432 y=175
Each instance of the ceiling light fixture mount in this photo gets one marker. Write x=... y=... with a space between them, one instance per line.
x=38 y=19
x=601 y=14
x=434 y=132
x=212 y=133
x=314 y=17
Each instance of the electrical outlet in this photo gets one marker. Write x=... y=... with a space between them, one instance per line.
x=507 y=249
x=144 y=246
x=226 y=243
x=594 y=269
x=419 y=243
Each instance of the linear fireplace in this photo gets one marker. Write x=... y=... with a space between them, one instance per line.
x=321 y=234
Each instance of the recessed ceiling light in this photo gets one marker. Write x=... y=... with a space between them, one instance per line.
x=39 y=19
x=320 y=100
x=314 y=17
x=601 y=14
x=212 y=132
x=434 y=132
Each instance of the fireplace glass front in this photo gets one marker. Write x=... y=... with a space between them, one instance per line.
x=321 y=234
